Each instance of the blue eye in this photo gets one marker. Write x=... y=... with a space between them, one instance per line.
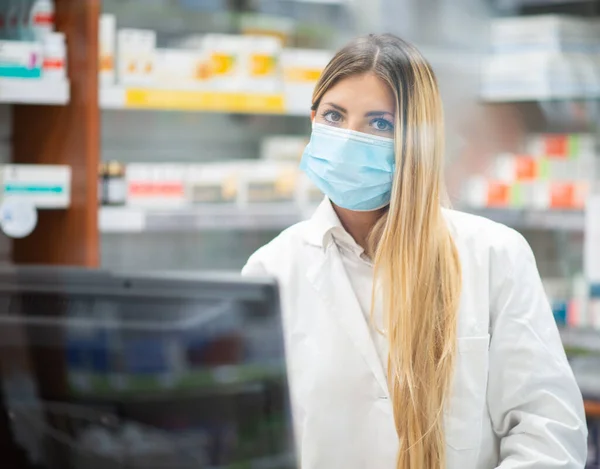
x=332 y=117
x=382 y=125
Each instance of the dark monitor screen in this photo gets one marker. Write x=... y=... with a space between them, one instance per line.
x=102 y=370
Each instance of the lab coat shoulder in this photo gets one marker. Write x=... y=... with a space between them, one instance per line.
x=277 y=257
x=483 y=235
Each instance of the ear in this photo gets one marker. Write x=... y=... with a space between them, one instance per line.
x=312 y=115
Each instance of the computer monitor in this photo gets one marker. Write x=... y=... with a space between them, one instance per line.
x=119 y=371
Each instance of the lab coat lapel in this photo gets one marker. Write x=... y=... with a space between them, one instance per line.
x=330 y=280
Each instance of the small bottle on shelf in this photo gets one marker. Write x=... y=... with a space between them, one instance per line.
x=101 y=183
x=115 y=189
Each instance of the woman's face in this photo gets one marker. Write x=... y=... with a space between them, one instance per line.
x=363 y=103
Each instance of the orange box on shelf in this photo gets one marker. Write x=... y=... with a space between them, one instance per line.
x=562 y=195
x=556 y=145
x=498 y=194
x=526 y=168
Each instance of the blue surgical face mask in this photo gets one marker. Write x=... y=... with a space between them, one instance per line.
x=355 y=170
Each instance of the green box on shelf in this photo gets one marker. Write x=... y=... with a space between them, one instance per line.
x=516 y=196
x=574 y=146
x=544 y=169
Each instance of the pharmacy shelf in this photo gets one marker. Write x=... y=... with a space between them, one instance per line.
x=319 y=2
x=581 y=339
x=528 y=98
x=276 y=216
x=546 y=3
x=226 y=378
x=572 y=220
x=139 y=98
x=34 y=91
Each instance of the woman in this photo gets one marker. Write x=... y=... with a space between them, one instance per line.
x=417 y=337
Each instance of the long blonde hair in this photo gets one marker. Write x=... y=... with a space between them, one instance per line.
x=417 y=268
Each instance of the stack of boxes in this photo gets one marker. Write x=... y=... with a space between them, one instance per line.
x=29 y=46
x=542 y=57
x=274 y=178
x=214 y=62
x=553 y=172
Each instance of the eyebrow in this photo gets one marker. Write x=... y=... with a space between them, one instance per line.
x=339 y=108
x=368 y=114
x=378 y=113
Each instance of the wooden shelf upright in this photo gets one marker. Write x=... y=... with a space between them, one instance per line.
x=70 y=135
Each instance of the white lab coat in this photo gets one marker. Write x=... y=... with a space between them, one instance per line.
x=515 y=403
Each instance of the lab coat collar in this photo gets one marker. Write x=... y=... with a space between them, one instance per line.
x=324 y=227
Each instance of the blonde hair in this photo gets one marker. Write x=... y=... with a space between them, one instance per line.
x=417 y=268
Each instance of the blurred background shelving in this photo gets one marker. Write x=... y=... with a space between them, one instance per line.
x=182 y=133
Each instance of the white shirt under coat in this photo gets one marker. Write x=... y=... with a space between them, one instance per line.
x=514 y=403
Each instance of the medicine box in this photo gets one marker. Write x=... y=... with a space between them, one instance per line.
x=46 y=186
x=538 y=75
x=180 y=68
x=283 y=148
x=136 y=56
x=301 y=70
x=20 y=59
x=107 y=39
x=226 y=56
x=156 y=185
x=266 y=182
x=554 y=33
x=213 y=182
x=262 y=64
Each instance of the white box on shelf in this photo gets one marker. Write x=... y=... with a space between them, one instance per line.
x=301 y=70
x=212 y=183
x=227 y=60
x=20 y=59
x=283 y=148
x=27 y=91
x=504 y=167
x=121 y=220
x=533 y=76
x=262 y=57
x=46 y=186
x=107 y=31
x=268 y=182
x=179 y=68
x=55 y=57
x=553 y=33
x=156 y=185
x=540 y=195
x=136 y=56
x=475 y=192
x=308 y=195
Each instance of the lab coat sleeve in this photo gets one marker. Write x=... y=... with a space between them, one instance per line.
x=533 y=400
x=254 y=267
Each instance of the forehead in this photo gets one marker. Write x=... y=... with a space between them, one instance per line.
x=364 y=92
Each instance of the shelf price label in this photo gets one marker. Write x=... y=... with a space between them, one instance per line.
x=140 y=98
